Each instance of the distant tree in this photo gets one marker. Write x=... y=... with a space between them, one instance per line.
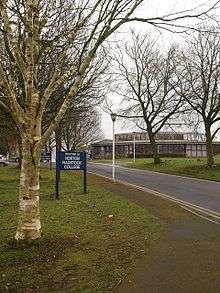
x=199 y=80
x=9 y=138
x=90 y=95
x=146 y=81
x=80 y=127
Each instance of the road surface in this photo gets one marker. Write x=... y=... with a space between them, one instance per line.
x=202 y=193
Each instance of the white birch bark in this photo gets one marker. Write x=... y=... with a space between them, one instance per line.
x=29 y=224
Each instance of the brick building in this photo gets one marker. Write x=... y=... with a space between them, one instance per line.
x=169 y=144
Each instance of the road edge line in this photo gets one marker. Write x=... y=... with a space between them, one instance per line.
x=180 y=203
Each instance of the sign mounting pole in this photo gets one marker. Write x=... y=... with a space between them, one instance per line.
x=57 y=185
x=85 y=175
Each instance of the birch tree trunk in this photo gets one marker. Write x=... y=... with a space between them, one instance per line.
x=29 y=224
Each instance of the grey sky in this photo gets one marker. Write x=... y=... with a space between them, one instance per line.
x=152 y=8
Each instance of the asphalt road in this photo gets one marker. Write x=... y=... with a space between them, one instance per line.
x=202 y=193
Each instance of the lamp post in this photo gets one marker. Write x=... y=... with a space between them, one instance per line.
x=113 y=117
x=134 y=146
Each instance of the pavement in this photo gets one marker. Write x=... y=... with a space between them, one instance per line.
x=186 y=258
x=198 y=195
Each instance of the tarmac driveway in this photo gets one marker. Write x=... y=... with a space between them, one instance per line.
x=199 y=192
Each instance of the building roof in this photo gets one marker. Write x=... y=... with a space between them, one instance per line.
x=108 y=142
x=103 y=142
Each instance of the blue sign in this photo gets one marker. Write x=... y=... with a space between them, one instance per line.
x=72 y=161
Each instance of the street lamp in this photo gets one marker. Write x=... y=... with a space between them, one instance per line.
x=134 y=147
x=113 y=117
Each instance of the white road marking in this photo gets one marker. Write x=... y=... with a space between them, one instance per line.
x=184 y=204
x=198 y=215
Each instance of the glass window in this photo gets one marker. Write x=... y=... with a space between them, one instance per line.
x=194 y=147
x=199 y=147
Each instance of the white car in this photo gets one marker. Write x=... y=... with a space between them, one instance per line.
x=3 y=161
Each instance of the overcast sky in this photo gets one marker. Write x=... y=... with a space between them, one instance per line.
x=151 y=8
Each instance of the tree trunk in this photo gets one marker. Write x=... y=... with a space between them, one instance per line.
x=154 y=146
x=209 y=147
x=29 y=225
x=19 y=155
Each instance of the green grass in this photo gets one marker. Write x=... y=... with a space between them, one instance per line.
x=82 y=249
x=190 y=167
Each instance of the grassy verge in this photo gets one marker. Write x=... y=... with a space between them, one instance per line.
x=191 y=167
x=83 y=249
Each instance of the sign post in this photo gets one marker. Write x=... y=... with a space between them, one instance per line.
x=57 y=183
x=85 y=176
x=69 y=161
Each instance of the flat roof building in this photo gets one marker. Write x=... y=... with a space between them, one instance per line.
x=178 y=144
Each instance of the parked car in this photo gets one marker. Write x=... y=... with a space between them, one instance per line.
x=3 y=161
x=14 y=159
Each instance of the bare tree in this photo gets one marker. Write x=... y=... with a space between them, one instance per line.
x=199 y=78
x=47 y=44
x=81 y=123
x=76 y=128
x=147 y=81
x=80 y=127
